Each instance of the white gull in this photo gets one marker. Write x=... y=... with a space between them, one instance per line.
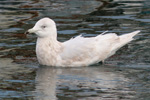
x=77 y=51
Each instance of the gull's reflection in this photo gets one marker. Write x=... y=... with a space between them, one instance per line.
x=52 y=82
x=45 y=83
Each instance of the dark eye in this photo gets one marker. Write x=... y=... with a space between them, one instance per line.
x=43 y=26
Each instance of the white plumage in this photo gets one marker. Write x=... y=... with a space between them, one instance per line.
x=77 y=51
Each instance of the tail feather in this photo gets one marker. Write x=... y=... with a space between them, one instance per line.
x=123 y=40
x=126 y=38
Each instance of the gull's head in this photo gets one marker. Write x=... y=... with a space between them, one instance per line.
x=45 y=27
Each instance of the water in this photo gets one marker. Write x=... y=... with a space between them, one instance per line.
x=125 y=76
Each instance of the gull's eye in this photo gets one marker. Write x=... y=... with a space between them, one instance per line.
x=43 y=26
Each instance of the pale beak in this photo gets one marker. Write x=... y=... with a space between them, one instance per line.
x=30 y=31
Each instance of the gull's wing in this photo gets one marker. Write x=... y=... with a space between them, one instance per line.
x=88 y=50
x=83 y=51
x=79 y=50
x=78 y=46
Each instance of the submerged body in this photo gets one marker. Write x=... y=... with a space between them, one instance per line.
x=75 y=52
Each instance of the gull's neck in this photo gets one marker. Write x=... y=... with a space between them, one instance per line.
x=48 y=51
x=48 y=42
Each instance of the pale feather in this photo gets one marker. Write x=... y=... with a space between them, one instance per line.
x=82 y=51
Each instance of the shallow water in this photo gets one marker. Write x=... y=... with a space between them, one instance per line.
x=125 y=76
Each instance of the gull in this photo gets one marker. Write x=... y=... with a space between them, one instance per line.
x=78 y=51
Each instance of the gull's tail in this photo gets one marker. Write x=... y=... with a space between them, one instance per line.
x=123 y=40
x=126 y=38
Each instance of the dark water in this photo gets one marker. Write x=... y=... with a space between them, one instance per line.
x=125 y=76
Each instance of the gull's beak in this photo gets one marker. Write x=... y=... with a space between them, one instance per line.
x=30 y=31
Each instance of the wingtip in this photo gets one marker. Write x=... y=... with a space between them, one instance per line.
x=138 y=31
x=134 y=33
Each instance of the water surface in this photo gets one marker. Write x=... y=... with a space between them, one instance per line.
x=125 y=76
